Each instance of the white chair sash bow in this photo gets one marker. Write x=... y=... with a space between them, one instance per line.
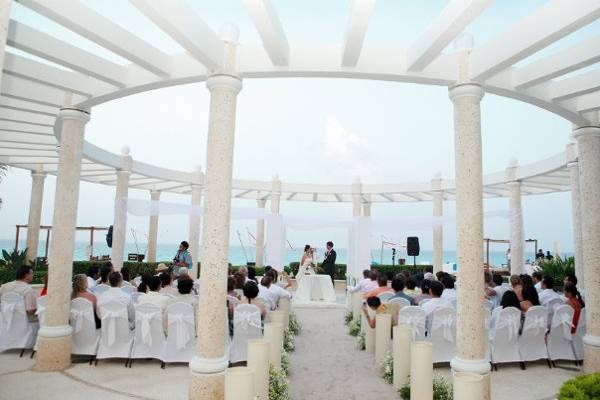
x=111 y=319
x=511 y=325
x=445 y=322
x=416 y=323
x=145 y=319
x=40 y=312
x=78 y=316
x=183 y=333
x=8 y=312
x=563 y=321
x=247 y=319
x=538 y=323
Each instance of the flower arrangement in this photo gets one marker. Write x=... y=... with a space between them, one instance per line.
x=348 y=318
x=288 y=341
x=294 y=326
x=442 y=389
x=360 y=343
x=278 y=385
x=285 y=362
x=354 y=328
x=386 y=368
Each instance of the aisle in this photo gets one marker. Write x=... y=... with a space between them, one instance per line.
x=326 y=363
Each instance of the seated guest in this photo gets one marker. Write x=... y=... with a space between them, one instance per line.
x=371 y=284
x=570 y=278
x=103 y=281
x=93 y=274
x=166 y=281
x=375 y=304
x=275 y=280
x=115 y=294
x=252 y=274
x=449 y=293
x=515 y=284
x=510 y=299
x=536 y=277
x=143 y=285
x=526 y=280
x=435 y=290
x=425 y=285
x=162 y=267
x=529 y=298
x=439 y=275
x=21 y=286
x=499 y=288
x=429 y=276
x=548 y=294
x=574 y=300
x=80 y=282
x=411 y=286
x=153 y=295
x=381 y=288
x=184 y=292
x=232 y=299
x=268 y=297
x=244 y=272
x=251 y=297
x=239 y=281
x=125 y=275
x=278 y=291
x=398 y=286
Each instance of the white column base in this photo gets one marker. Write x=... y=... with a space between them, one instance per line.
x=480 y=367
x=591 y=340
x=55 y=331
x=208 y=365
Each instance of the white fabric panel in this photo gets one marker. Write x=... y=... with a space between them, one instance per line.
x=275 y=252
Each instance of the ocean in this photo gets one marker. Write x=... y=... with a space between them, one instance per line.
x=241 y=255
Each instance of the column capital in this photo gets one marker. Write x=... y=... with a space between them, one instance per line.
x=123 y=173
x=155 y=195
x=469 y=89
x=276 y=186
x=261 y=203
x=584 y=131
x=39 y=174
x=436 y=183
x=573 y=164
x=73 y=113
x=229 y=81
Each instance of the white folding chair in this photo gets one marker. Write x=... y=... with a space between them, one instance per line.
x=181 y=333
x=560 y=338
x=135 y=296
x=532 y=343
x=504 y=336
x=423 y=301
x=85 y=337
x=578 y=336
x=98 y=290
x=116 y=339
x=415 y=317
x=443 y=334
x=16 y=331
x=149 y=338
x=385 y=297
x=489 y=306
x=402 y=302
x=246 y=325
x=551 y=306
x=41 y=308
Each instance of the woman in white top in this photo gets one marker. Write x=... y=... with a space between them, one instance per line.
x=306 y=263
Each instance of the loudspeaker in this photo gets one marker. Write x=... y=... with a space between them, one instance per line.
x=109 y=236
x=412 y=246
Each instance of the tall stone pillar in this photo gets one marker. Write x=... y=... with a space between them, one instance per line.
x=35 y=214
x=54 y=337
x=516 y=220
x=120 y=217
x=470 y=330
x=210 y=362
x=573 y=166
x=366 y=209
x=588 y=145
x=260 y=235
x=194 y=228
x=153 y=228
x=356 y=198
x=4 y=20
x=438 y=230
x=275 y=195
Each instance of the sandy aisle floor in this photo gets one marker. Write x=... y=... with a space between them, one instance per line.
x=326 y=363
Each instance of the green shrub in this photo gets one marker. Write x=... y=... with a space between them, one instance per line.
x=278 y=384
x=442 y=389
x=340 y=269
x=557 y=268
x=348 y=318
x=354 y=328
x=583 y=387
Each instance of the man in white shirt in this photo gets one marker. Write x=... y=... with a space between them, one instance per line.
x=499 y=289
x=449 y=293
x=361 y=286
x=22 y=287
x=435 y=290
x=153 y=296
x=536 y=277
x=92 y=276
x=548 y=294
x=267 y=296
x=115 y=295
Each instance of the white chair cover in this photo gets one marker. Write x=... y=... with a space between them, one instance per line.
x=181 y=334
x=149 y=338
x=16 y=331
x=504 y=337
x=99 y=289
x=41 y=308
x=551 y=306
x=443 y=334
x=578 y=336
x=85 y=336
x=128 y=289
x=400 y=301
x=246 y=325
x=532 y=343
x=560 y=338
x=415 y=317
x=116 y=339
x=489 y=306
x=385 y=297
x=135 y=296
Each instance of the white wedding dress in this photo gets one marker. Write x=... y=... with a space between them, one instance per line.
x=306 y=268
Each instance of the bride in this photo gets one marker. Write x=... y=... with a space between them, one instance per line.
x=306 y=263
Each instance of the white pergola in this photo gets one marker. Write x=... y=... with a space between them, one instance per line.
x=44 y=108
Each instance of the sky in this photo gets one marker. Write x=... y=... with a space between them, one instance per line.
x=314 y=130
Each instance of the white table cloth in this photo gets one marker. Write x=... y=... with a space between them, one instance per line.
x=315 y=288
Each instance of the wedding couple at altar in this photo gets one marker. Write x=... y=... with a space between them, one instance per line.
x=312 y=287
x=308 y=265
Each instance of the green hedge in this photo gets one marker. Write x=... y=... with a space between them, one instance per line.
x=340 y=269
x=581 y=388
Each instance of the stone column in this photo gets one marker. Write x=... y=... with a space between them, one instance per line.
x=35 y=214
x=54 y=338
x=573 y=165
x=194 y=229
x=4 y=20
x=120 y=217
x=366 y=209
x=260 y=235
x=516 y=220
x=209 y=364
x=275 y=195
x=153 y=229
x=438 y=231
x=356 y=198
x=588 y=144
x=470 y=335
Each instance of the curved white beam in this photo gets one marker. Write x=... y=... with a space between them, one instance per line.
x=269 y=28
x=360 y=12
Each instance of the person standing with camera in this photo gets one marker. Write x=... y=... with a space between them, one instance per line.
x=182 y=259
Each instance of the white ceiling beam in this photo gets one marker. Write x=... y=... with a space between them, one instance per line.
x=48 y=75
x=585 y=103
x=27 y=90
x=388 y=197
x=45 y=46
x=27 y=117
x=22 y=105
x=10 y=126
x=451 y=22
x=179 y=20
x=558 y=64
x=86 y=22
x=24 y=138
x=360 y=12
x=576 y=86
x=26 y=146
x=269 y=28
x=539 y=29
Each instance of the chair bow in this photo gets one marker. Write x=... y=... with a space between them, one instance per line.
x=78 y=316
x=446 y=323
x=8 y=312
x=416 y=323
x=511 y=325
x=247 y=319
x=145 y=319
x=538 y=323
x=40 y=312
x=111 y=318
x=563 y=321
x=183 y=333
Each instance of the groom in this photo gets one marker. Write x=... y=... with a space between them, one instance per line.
x=329 y=261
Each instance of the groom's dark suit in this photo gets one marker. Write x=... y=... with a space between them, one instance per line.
x=329 y=263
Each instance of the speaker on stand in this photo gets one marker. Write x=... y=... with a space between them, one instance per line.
x=412 y=248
